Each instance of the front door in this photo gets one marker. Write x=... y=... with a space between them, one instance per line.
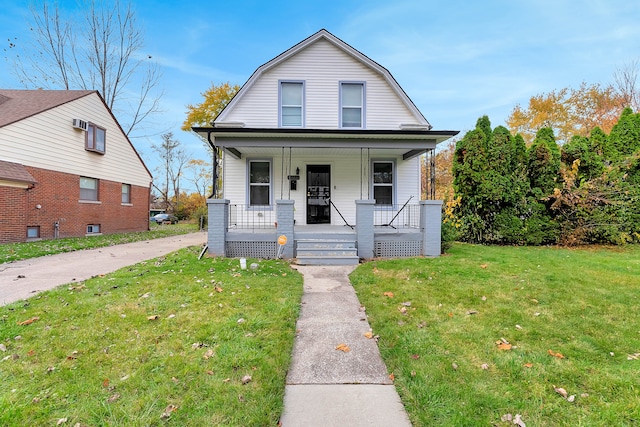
x=318 y=194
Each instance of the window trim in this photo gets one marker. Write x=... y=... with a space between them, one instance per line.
x=363 y=114
x=128 y=193
x=90 y=144
x=97 y=190
x=393 y=184
x=302 y=84
x=93 y=233
x=249 y=206
x=37 y=229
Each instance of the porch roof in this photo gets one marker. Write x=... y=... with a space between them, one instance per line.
x=413 y=141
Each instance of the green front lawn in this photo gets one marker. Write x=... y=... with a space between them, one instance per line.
x=571 y=319
x=171 y=341
x=24 y=250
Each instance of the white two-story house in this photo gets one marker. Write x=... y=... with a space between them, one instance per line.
x=321 y=145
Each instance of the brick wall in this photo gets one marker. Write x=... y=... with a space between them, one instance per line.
x=57 y=195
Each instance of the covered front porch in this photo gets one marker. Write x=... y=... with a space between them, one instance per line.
x=407 y=230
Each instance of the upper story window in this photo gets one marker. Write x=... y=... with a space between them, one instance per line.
x=383 y=182
x=95 y=139
x=291 y=104
x=259 y=182
x=352 y=105
x=88 y=189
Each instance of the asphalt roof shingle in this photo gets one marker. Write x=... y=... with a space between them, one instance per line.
x=10 y=171
x=16 y=105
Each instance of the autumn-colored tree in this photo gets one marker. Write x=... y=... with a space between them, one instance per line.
x=215 y=99
x=568 y=112
x=443 y=172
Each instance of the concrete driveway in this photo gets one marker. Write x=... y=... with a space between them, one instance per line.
x=23 y=279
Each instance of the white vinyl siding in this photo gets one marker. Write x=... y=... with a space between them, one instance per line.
x=61 y=148
x=322 y=66
x=347 y=184
x=291 y=104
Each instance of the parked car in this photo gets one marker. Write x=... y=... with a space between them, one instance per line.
x=162 y=218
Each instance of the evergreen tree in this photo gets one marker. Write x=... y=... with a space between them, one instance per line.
x=543 y=163
x=624 y=138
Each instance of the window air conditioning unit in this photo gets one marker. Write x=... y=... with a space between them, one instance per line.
x=80 y=124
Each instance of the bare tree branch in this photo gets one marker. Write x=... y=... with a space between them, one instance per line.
x=100 y=52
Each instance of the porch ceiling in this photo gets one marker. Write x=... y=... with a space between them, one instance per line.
x=408 y=143
x=315 y=152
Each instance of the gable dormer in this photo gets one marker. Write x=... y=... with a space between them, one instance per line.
x=322 y=83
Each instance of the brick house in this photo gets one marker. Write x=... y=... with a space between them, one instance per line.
x=67 y=169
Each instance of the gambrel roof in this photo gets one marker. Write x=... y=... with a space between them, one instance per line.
x=335 y=41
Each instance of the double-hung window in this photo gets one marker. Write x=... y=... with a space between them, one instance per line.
x=88 y=189
x=352 y=105
x=95 y=139
x=126 y=193
x=259 y=182
x=383 y=182
x=291 y=104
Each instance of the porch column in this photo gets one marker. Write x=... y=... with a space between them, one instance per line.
x=284 y=217
x=430 y=225
x=218 y=224
x=364 y=228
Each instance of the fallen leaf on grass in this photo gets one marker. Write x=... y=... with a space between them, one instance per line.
x=528 y=365
x=73 y=355
x=168 y=411
x=415 y=356
x=208 y=354
x=29 y=321
x=246 y=379
x=154 y=317
x=517 y=420
x=402 y=310
x=406 y=304
x=388 y=294
x=368 y=335
x=504 y=346
x=343 y=347
x=470 y=312
x=562 y=392
x=554 y=354
x=392 y=377
x=113 y=398
x=105 y=383
x=484 y=366
x=31 y=353
x=484 y=265
x=61 y=421
x=218 y=289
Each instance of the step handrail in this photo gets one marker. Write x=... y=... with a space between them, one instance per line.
x=345 y=221
x=397 y=213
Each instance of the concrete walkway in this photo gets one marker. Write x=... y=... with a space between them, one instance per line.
x=329 y=387
x=22 y=279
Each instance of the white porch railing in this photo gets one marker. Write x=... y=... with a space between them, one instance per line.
x=252 y=217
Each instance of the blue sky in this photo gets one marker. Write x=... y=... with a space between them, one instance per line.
x=457 y=60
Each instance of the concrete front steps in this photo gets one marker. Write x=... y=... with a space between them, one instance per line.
x=326 y=252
